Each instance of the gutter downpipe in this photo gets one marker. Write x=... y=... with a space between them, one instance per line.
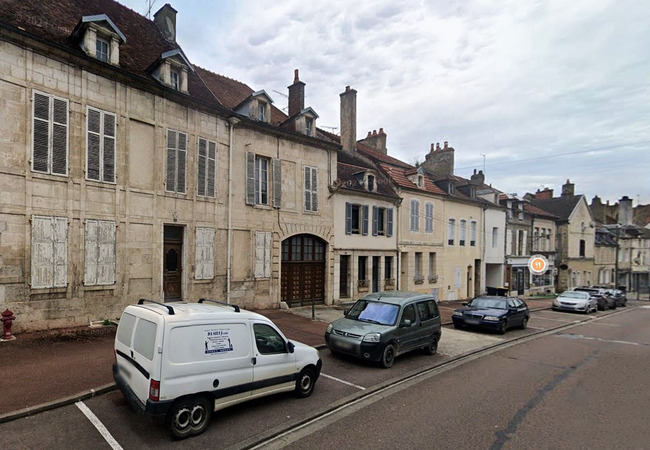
x=232 y=122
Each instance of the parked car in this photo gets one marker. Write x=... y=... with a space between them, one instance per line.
x=383 y=325
x=575 y=301
x=179 y=362
x=605 y=301
x=619 y=296
x=493 y=313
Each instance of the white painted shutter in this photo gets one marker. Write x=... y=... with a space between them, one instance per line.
x=182 y=155
x=109 y=148
x=60 y=136
x=41 y=133
x=106 y=253
x=171 y=161
x=93 y=124
x=250 y=178
x=212 y=168
x=307 y=189
x=42 y=253
x=524 y=244
x=60 y=241
x=277 y=183
x=91 y=251
x=202 y=164
x=267 y=254
x=204 y=258
x=509 y=243
x=260 y=240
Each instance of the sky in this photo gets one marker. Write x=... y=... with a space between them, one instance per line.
x=534 y=92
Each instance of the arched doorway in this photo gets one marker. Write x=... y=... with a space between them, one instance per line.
x=303 y=270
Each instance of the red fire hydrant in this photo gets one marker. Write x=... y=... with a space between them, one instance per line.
x=7 y=319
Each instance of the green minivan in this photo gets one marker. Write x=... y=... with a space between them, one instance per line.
x=383 y=325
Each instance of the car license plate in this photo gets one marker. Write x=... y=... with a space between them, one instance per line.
x=344 y=345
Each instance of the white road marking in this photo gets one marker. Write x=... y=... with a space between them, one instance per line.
x=556 y=320
x=99 y=425
x=342 y=381
x=587 y=338
x=535 y=328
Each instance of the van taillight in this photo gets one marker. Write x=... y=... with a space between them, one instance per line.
x=154 y=390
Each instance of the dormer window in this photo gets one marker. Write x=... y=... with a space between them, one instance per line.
x=371 y=183
x=309 y=126
x=261 y=111
x=172 y=69
x=174 y=79
x=103 y=50
x=451 y=188
x=420 y=181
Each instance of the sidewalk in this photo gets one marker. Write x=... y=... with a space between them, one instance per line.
x=43 y=370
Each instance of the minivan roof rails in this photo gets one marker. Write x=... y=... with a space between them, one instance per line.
x=201 y=300
x=169 y=308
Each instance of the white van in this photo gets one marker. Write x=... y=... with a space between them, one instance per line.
x=182 y=361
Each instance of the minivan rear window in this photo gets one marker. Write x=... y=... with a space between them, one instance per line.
x=145 y=338
x=125 y=329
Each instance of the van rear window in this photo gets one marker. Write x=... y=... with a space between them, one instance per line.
x=145 y=338
x=125 y=329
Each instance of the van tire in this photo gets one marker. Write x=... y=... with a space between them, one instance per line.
x=305 y=382
x=388 y=356
x=432 y=347
x=188 y=416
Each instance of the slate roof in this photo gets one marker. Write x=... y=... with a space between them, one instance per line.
x=532 y=209
x=380 y=157
x=562 y=207
x=346 y=174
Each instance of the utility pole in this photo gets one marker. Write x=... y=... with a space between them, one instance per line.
x=616 y=260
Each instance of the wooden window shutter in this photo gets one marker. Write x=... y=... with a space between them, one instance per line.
x=171 y=160
x=41 y=133
x=212 y=169
x=260 y=240
x=267 y=254
x=91 y=252
x=182 y=158
x=389 y=222
x=348 y=218
x=42 y=266
x=314 y=189
x=106 y=253
x=93 y=124
x=375 y=217
x=60 y=136
x=204 y=257
x=277 y=183
x=60 y=241
x=366 y=215
x=250 y=178
x=307 y=189
x=109 y=148
x=202 y=165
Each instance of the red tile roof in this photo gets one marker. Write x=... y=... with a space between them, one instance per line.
x=399 y=175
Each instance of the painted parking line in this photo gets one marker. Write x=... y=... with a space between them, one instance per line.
x=556 y=320
x=342 y=381
x=588 y=338
x=99 y=425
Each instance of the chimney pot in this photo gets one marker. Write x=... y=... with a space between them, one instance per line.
x=381 y=131
x=433 y=147
x=437 y=145
x=369 y=133
x=446 y=144
x=295 y=76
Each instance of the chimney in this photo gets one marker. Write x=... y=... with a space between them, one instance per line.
x=349 y=119
x=544 y=194
x=296 y=95
x=439 y=162
x=477 y=179
x=625 y=211
x=165 y=20
x=376 y=141
x=568 y=189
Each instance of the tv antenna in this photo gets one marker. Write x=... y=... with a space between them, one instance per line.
x=150 y=4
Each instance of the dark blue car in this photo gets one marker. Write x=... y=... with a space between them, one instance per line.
x=493 y=313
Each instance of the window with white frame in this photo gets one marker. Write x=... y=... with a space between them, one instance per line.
x=263 y=242
x=472 y=233
x=50 y=134
x=311 y=189
x=100 y=145
x=463 y=232
x=428 y=225
x=49 y=260
x=261 y=111
x=451 y=231
x=262 y=180
x=176 y=160
x=204 y=253
x=309 y=126
x=206 y=168
x=102 y=49
x=99 y=251
x=258 y=178
x=495 y=236
x=415 y=215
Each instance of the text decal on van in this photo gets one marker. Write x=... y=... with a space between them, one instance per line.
x=218 y=341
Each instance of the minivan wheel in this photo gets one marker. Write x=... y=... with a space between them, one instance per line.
x=305 y=382
x=432 y=348
x=189 y=417
x=388 y=357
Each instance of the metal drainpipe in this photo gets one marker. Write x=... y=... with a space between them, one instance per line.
x=232 y=121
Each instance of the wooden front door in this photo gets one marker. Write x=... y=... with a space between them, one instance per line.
x=172 y=264
x=303 y=270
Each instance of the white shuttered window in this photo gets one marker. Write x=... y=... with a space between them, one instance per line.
x=311 y=189
x=263 y=242
x=100 y=144
x=176 y=158
x=99 y=252
x=207 y=167
x=50 y=134
x=204 y=259
x=49 y=252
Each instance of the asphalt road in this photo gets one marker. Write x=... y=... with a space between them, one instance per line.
x=578 y=387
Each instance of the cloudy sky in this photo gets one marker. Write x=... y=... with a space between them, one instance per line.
x=537 y=92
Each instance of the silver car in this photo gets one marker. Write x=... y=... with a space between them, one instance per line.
x=575 y=301
x=383 y=325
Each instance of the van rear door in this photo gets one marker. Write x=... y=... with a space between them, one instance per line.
x=135 y=348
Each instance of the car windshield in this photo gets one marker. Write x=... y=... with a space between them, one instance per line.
x=575 y=294
x=490 y=303
x=374 y=312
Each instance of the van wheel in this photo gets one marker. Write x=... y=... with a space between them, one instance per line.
x=305 y=382
x=189 y=416
x=432 y=348
x=388 y=357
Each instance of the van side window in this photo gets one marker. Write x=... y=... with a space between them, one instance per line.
x=433 y=308
x=125 y=329
x=268 y=340
x=423 y=311
x=408 y=314
x=145 y=338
